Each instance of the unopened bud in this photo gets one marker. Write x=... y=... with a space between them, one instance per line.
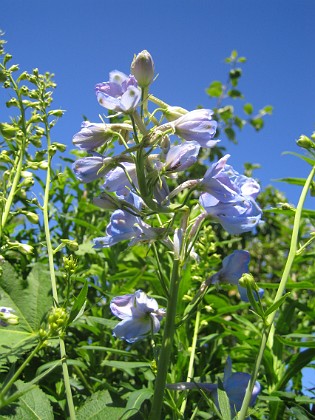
x=305 y=142
x=142 y=67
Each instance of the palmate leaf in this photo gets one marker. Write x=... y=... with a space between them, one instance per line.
x=32 y=405
x=98 y=407
x=31 y=300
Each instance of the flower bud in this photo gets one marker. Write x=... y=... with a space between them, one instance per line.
x=305 y=142
x=142 y=67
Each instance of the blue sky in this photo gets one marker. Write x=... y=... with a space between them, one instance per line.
x=82 y=41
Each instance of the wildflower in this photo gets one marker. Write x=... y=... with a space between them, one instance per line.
x=139 y=314
x=236 y=217
x=227 y=185
x=120 y=93
x=233 y=267
x=182 y=156
x=117 y=180
x=234 y=384
x=90 y=168
x=93 y=135
x=198 y=126
x=7 y=317
x=142 y=67
x=230 y=197
x=124 y=225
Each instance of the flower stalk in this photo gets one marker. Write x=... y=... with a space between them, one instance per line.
x=269 y=330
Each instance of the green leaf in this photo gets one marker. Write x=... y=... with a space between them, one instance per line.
x=248 y=108
x=33 y=405
x=79 y=304
x=294 y=343
x=31 y=300
x=277 y=304
x=224 y=402
x=296 y=364
x=215 y=89
x=305 y=158
x=234 y=93
x=135 y=400
x=97 y=408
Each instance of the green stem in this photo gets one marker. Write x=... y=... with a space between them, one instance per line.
x=50 y=253
x=192 y=358
x=270 y=319
x=17 y=169
x=6 y=388
x=165 y=353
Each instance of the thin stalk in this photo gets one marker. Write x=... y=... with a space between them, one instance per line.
x=270 y=319
x=191 y=359
x=166 y=349
x=16 y=375
x=50 y=253
x=19 y=159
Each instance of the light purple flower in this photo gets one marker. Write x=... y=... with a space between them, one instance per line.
x=233 y=267
x=198 y=126
x=124 y=225
x=139 y=314
x=7 y=317
x=117 y=181
x=227 y=185
x=92 y=135
x=182 y=156
x=90 y=168
x=236 y=217
x=234 y=384
x=120 y=93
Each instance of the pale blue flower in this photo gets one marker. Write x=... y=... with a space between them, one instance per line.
x=234 y=384
x=198 y=126
x=235 y=217
x=126 y=226
x=227 y=185
x=139 y=314
x=90 y=168
x=92 y=135
x=182 y=156
x=233 y=267
x=121 y=93
x=117 y=181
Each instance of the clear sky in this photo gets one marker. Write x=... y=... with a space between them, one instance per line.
x=81 y=41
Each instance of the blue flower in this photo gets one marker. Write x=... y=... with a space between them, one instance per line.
x=234 y=384
x=90 y=168
x=117 y=181
x=182 y=156
x=233 y=267
x=120 y=93
x=93 y=135
x=230 y=197
x=198 y=126
x=139 y=314
x=123 y=225
x=236 y=217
